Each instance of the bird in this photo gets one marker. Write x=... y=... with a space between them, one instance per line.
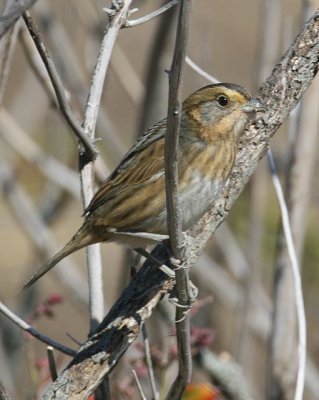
x=130 y=205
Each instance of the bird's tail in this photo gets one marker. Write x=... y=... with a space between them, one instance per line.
x=81 y=239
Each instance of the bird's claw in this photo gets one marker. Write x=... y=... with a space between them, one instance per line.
x=177 y=264
x=192 y=292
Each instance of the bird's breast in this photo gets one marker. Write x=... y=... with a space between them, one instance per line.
x=202 y=174
x=197 y=196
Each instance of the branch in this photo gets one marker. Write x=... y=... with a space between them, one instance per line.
x=119 y=329
x=28 y=328
x=91 y=152
x=296 y=280
x=174 y=222
x=200 y=70
x=94 y=261
x=281 y=92
x=148 y=358
x=149 y=17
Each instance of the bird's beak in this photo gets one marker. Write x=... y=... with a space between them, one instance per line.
x=253 y=105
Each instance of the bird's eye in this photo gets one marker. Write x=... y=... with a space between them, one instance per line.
x=222 y=100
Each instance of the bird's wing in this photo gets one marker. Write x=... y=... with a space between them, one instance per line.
x=143 y=161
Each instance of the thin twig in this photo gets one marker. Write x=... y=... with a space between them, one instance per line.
x=155 y=394
x=67 y=59
x=138 y=384
x=28 y=328
x=149 y=17
x=52 y=364
x=173 y=209
x=87 y=185
x=297 y=281
x=149 y=363
x=36 y=64
x=200 y=70
x=89 y=147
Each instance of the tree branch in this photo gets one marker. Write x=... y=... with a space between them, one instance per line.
x=119 y=329
x=90 y=150
x=86 y=170
x=149 y=17
x=174 y=223
x=28 y=328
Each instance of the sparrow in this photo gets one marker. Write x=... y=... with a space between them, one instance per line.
x=130 y=205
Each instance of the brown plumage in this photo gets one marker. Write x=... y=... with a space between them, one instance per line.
x=130 y=206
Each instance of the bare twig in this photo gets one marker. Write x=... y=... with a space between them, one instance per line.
x=90 y=150
x=149 y=17
x=200 y=70
x=35 y=62
x=297 y=282
x=52 y=364
x=138 y=384
x=87 y=185
x=149 y=363
x=69 y=62
x=173 y=209
x=286 y=330
x=28 y=328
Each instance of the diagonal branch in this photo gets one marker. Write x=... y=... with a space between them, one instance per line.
x=35 y=333
x=65 y=108
x=119 y=329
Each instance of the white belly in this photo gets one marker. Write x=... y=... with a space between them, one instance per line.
x=197 y=199
x=194 y=202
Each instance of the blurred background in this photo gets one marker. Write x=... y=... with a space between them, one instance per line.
x=243 y=277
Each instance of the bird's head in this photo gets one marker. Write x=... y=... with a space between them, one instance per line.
x=218 y=112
